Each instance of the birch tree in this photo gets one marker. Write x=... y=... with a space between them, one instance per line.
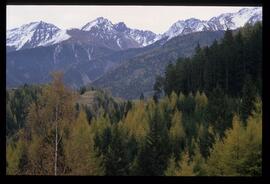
x=49 y=119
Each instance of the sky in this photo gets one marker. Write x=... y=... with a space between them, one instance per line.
x=154 y=18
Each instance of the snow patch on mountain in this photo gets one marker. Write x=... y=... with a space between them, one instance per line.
x=60 y=36
x=56 y=53
x=100 y=22
x=118 y=43
x=103 y=28
x=119 y=36
x=17 y=37
x=35 y=34
x=222 y=22
x=89 y=54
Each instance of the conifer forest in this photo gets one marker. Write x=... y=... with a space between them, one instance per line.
x=204 y=118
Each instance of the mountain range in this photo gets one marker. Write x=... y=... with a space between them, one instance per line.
x=222 y=22
x=112 y=56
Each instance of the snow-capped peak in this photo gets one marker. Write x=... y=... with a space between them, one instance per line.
x=104 y=30
x=121 y=26
x=99 y=22
x=249 y=10
x=119 y=36
x=237 y=19
x=185 y=27
x=35 y=34
x=221 y=22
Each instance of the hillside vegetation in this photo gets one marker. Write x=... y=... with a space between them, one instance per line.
x=204 y=119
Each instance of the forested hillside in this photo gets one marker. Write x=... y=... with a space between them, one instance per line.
x=137 y=75
x=205 y=119
x=229 y=65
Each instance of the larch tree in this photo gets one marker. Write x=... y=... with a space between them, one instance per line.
x=16 y=154
x=80 y=155
x=201 y=104
x=136 y=121
x=48 y=119
x=239 y=153
x=186 y=166
x=172 y=167
x=177 y=134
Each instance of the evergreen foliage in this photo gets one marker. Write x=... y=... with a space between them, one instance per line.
x=205 y=119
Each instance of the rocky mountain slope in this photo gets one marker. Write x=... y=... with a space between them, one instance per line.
x=33 y=35
x=222 y=22
x=137 y=75
x=112 y=56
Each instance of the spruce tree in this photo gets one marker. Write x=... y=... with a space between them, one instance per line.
x=152 y=159
x=248 y=99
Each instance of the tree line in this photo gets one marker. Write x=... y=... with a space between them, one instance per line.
x=171 y=137
x=233 y=67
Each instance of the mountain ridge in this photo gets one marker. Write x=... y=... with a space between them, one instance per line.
x=221 y=22
x=118 y=36
x=86 y=58
x=33 y=35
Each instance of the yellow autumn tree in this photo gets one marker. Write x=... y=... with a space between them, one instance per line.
x=177 y=134
x=239 y=153
x=15 y=153
x=184 y=167
x=201 y=100
x=136 y=121
x=81 y=157
x=172 y=167
x=100 y=123
x=177 y=130
x=173 y=100
x=48 y=121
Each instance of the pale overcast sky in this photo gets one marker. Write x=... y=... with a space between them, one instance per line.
x=155 y=18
